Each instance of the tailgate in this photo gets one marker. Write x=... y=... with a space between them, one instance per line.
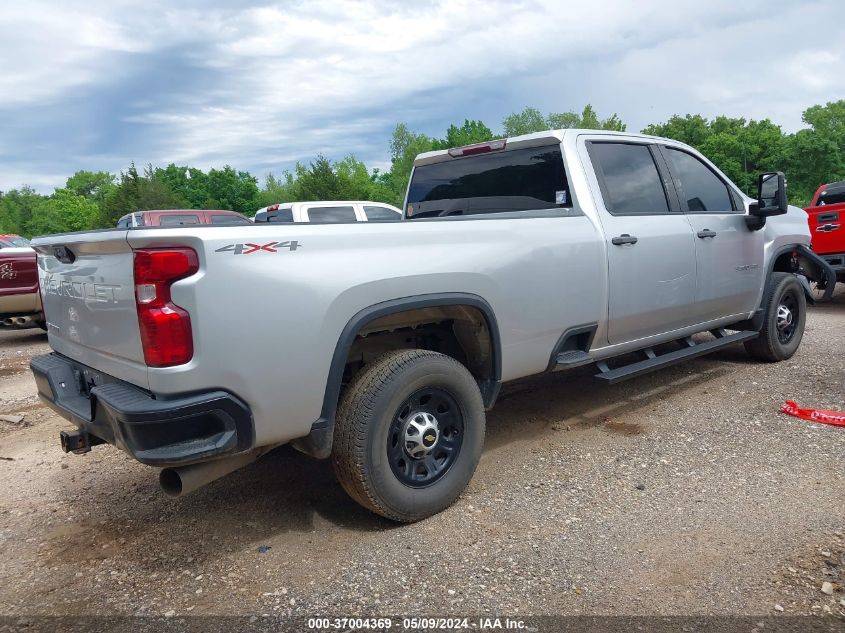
x=88 y=294
x=826 y=228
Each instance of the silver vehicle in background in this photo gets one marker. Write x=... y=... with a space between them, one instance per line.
x=387 y=341
x=329 y=212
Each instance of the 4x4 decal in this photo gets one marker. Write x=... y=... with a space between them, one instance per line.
x=248 y=249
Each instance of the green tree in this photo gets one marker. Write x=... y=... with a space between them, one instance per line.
x=136 y=192
x=16 y=209
x=275 y=190
x=525 y=122
x=189 y=183
x=63 y=211
x=231 y=189
x=829 y=121
x=93 y=185
x=318 y=181
x=404 y=148
x=469 y=133
x=531 y=120
x=690 y=129
x=810 y=159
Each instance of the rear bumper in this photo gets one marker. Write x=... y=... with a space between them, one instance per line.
x=178 y=430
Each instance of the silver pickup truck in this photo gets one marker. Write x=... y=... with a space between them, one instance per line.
x=382 y=344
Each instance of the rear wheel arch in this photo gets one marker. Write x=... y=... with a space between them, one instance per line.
x=318 y=443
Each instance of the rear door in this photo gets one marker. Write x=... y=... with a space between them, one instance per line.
x=729 y=256
x=650 y=244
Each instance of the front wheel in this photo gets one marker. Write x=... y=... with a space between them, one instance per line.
x=408 y=434
x=783 y=324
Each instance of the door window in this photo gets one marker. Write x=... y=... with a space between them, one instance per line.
x=380 y=214
x=699 y=188
x=629 y=179
x=331 y=215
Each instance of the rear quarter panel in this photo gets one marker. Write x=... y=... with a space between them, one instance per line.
x=266 y=324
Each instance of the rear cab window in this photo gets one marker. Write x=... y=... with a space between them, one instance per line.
x=832 y=194
x=376 y=213
x=278 y=215
x=517 y=180
x=331 y=214
x=187 y=219
x=223 y=218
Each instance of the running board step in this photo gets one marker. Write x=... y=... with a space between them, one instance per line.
x=654 y=362
x=572 y=358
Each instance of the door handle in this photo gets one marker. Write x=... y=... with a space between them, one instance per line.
x=706 y=233
x=624 y=239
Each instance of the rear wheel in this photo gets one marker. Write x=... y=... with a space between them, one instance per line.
x=408 y=434
x=783 y=324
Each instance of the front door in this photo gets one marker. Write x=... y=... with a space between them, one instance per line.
x=650 y=245
x=729 y=256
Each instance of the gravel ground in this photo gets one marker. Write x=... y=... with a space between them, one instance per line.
x=681 y=492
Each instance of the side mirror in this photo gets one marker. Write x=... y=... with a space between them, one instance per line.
x=771 y=195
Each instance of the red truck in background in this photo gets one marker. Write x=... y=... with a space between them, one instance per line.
x=826 y=215
x=181 y=217
x=20 y=300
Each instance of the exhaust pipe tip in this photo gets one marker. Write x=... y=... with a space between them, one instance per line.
x=179 y=481
x=170 y=482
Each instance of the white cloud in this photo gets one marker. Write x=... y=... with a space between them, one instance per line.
x=266 y=85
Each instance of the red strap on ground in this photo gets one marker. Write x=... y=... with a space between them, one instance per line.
x=824 y=416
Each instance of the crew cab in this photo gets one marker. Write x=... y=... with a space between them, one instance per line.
x=827 y=218
x=20 y=302
x=329 y=212
x=180 y=217
x=389 y=340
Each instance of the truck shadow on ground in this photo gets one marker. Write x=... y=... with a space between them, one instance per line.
x=287 y=495
x=15 y=339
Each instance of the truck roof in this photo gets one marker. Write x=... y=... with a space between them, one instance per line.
x=531 y=140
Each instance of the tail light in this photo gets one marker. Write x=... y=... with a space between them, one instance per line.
x=165 y=327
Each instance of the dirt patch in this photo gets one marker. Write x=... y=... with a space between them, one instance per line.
x=814 y=582
x=622 y=427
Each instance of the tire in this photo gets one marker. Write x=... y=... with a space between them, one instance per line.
x=779 y=340
x=385 y=405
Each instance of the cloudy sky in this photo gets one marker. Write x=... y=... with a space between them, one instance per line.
x=97 y=84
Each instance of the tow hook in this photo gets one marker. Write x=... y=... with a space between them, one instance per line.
x=75 y=442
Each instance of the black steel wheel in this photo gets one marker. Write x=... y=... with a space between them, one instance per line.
x=408 y=434
x=785 y=313
x=425 y=437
